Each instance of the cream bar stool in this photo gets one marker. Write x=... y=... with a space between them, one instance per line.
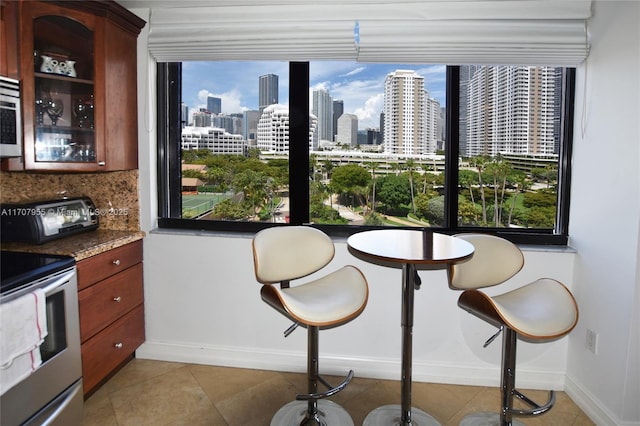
x=281 y=255
x=540 y=311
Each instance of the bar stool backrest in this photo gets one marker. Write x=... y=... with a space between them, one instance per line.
x=494 y=261
x=287 y=253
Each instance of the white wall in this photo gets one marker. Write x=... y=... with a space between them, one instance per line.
x=605 y=214
x=202 y=302
x=203 y=305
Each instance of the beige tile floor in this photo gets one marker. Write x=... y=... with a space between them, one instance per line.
x=160 y=393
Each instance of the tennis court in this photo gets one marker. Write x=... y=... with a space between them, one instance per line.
x=194 y=206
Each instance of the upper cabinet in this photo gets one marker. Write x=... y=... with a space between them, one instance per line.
x=77 y=66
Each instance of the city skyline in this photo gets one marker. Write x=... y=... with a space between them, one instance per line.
x=360 y=86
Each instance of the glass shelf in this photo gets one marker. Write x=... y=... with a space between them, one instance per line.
x=64 y=91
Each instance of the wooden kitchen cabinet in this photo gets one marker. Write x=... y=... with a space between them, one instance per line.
x=77 y=67
x=111 y=301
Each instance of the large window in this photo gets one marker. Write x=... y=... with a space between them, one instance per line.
x=347 y=146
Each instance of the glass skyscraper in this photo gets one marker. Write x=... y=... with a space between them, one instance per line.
x=214 y=105
x=268 y=90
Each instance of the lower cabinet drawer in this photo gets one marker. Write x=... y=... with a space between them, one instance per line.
x=108 y=349
x=106 y=301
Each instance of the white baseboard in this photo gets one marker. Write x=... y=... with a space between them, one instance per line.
x=592 y=407
x=375 y=368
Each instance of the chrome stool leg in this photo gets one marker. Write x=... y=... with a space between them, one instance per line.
x=310 y=409
x=508 y=392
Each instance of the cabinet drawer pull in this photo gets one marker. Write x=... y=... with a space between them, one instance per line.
x=117 y=299
x=116 y=262
x=118 y=345
x=102 y=163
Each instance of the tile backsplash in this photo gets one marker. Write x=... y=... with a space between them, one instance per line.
x=115 y=194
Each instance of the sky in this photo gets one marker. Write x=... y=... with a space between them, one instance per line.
x=359 y=85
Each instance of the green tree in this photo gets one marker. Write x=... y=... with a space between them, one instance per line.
x=479 y=163
x=373 y=219
x=252 y=184
x=347 y=179
x=253 y=153
x=192 y=174
x=435 y=210
x=394 y=192
x=230 y=210
x=328 y=168
x=498 y=169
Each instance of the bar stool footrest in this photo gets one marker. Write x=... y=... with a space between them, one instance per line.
x=330 y=392
x=537 y=409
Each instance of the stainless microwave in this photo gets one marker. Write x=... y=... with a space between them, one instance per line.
x=10 y=118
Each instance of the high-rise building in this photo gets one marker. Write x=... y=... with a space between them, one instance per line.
x=404 y=114
x=202 y=118
x=347 y=130
x=373 y=136
x=214 y=105
x=273 y=130
x=231 y=123
x=466 y=74
x=267 y=91
x=322 y=109
x=432 y=123
x=184 y=117
x=338 y=110
x=511 y=111
x=214 y=139
x=250 y=126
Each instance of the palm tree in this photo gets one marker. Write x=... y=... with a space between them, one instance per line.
x=373 y=166
x=410 y=164
x=479 y=163
x=522 y=184
x=313 y=159
x=499 y=169
x=466 y=179
x=328 y=166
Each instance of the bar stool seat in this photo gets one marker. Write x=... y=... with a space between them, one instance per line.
x=285 y=254
x=540 y=311
x=543 y=309
x=317 y=302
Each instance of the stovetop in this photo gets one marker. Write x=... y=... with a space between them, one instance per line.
x=20 y=268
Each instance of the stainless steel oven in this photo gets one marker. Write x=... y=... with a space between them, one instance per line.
x=52 y=395
x=10 y=118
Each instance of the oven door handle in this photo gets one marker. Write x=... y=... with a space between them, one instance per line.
x=68 y=399
x=59 y=282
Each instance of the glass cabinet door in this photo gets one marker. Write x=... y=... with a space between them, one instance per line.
x=63 y=90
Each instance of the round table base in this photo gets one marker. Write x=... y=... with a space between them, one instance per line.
x=391 y=415
x=485 y=419
x=329 y=412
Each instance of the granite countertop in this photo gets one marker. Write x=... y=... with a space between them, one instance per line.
x=80 y=246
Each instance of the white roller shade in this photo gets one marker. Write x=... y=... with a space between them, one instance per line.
x=537 y=32
x=271 y=32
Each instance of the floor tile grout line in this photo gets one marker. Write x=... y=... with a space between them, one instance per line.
x=213 y=404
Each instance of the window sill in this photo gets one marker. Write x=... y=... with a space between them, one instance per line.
x=336 y=239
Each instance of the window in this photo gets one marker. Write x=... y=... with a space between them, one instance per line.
x=451 y=148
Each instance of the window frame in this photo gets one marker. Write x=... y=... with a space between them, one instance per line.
x=169 y=95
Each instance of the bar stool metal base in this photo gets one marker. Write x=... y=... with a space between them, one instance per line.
x=392 y=415
x=329 y=413
x=486 y=419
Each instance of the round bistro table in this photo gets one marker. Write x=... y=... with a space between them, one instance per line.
x=408 y=249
